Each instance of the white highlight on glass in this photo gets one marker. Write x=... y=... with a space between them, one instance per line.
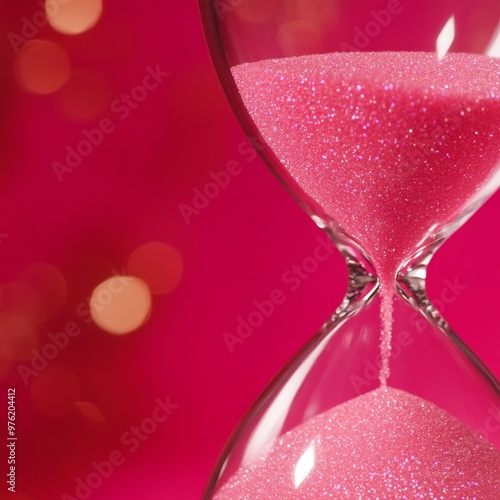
x=272 y=421
x=445 y=39
x=304 y=466
x=493 y=49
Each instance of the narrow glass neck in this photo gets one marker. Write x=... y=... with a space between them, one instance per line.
x=405 y=293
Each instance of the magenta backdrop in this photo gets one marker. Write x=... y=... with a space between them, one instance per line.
x=133 y=189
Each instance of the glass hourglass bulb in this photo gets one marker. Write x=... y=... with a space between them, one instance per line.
x=382 y=118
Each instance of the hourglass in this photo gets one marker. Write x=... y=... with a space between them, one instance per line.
x=382 y=118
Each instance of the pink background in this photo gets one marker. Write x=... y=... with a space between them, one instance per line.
x=235 y=251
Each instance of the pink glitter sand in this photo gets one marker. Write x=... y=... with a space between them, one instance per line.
x=389 y=144
x=386 y=444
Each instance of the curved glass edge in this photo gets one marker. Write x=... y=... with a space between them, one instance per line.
x=222 y=68
x=294 y=370
x=343 y=356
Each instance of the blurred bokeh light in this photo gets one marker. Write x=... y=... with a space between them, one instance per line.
x=55 y=390
x=49 y=288
x=42 y=67
x=18 y=337
x=86 y=95
x=74 y=16
x=158 y=264
x=90 y=412
x=120 y=304
x=109 y=298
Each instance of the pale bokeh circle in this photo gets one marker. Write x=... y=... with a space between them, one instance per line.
x=42 y=67
x=73 y=17
x=120 y=304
